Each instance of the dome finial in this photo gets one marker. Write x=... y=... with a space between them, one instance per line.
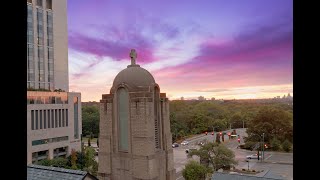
x=133 y=56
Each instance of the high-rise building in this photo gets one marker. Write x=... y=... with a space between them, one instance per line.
x=53 y=117
x=201 y=98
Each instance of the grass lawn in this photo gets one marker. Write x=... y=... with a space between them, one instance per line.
x=85 y=140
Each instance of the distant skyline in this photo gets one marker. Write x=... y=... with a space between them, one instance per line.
x=211 y=48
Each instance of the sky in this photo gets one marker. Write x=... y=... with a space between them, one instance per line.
x=236 y=49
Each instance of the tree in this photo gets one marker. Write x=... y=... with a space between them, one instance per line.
x=59 y=162
x=89 y=143
x=193 y=170
x=275 y=144
x=286 y=145
x=90 y=163
x=90 y=120
x=215 y=154
x=73 y=159
x=275 y=123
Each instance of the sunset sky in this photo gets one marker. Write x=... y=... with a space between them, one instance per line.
x=213 y=48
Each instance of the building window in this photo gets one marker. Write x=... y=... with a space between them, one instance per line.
x=63 y=122
x=40 y=115
x=156 y=118
x=123 y=113
x=39 y=142
x=67 y=117
x=36 y=119
x=48 y=118
x=60 y=118
x=49 y=4
x=32 y=119
x=40 y=26
x=30 y=25
x=56 y=118
x=52 y=118
x=39 y=3
x=44 y=119
x=49 y=29
x=76 y=123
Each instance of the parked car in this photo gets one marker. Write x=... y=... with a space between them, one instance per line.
x=175 y=145
x=253 y=156
x=185 y=143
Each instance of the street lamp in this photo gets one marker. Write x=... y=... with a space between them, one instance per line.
x=261 y=140
x=248 y=164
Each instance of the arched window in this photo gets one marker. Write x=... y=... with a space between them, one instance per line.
x=123 y=114
x=156 y=118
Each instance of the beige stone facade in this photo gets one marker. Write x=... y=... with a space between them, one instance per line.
x=149 y=154
x=54 y=125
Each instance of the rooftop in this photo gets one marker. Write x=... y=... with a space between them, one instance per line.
x=50 y=173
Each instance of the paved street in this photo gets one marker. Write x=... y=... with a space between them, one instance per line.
x=275 y=164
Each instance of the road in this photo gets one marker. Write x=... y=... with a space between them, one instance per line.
x=275 y=164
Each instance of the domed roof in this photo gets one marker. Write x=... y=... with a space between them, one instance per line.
x=134 y=76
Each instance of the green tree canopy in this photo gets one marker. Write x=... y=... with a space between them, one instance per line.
x=90 y=120
x=215 y=155
x=194 y=171
x=274 y=123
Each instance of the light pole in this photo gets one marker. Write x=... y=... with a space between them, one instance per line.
x=261 y=141
x=262 y=146
x=248 y=164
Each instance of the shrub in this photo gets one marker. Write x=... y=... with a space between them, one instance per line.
x=286 y=146
x=243 y=169
x=194 y=170
x=275 y=144
x=60 y=162
x=44 y=162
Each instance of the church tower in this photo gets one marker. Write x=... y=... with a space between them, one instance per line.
x=135 y=138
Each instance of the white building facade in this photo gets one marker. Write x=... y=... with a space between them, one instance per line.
x=54 y=118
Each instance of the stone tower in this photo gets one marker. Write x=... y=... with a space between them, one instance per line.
x=135 y=138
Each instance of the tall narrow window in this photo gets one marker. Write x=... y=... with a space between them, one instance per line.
x=67 y=117
x=49 y=4
x=37 y=119
x=63 y=122
x=60 y=118
x=39 y=3
x=76 y=123
x=49 y=118
x=32 y=119
x=40 y=118
x=44 y=119
x=56 y=118
x=123 y=112
x=52 y=118
x=156 y=118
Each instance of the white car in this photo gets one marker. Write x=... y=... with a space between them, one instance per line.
x=253 y=156
x=185 y=143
